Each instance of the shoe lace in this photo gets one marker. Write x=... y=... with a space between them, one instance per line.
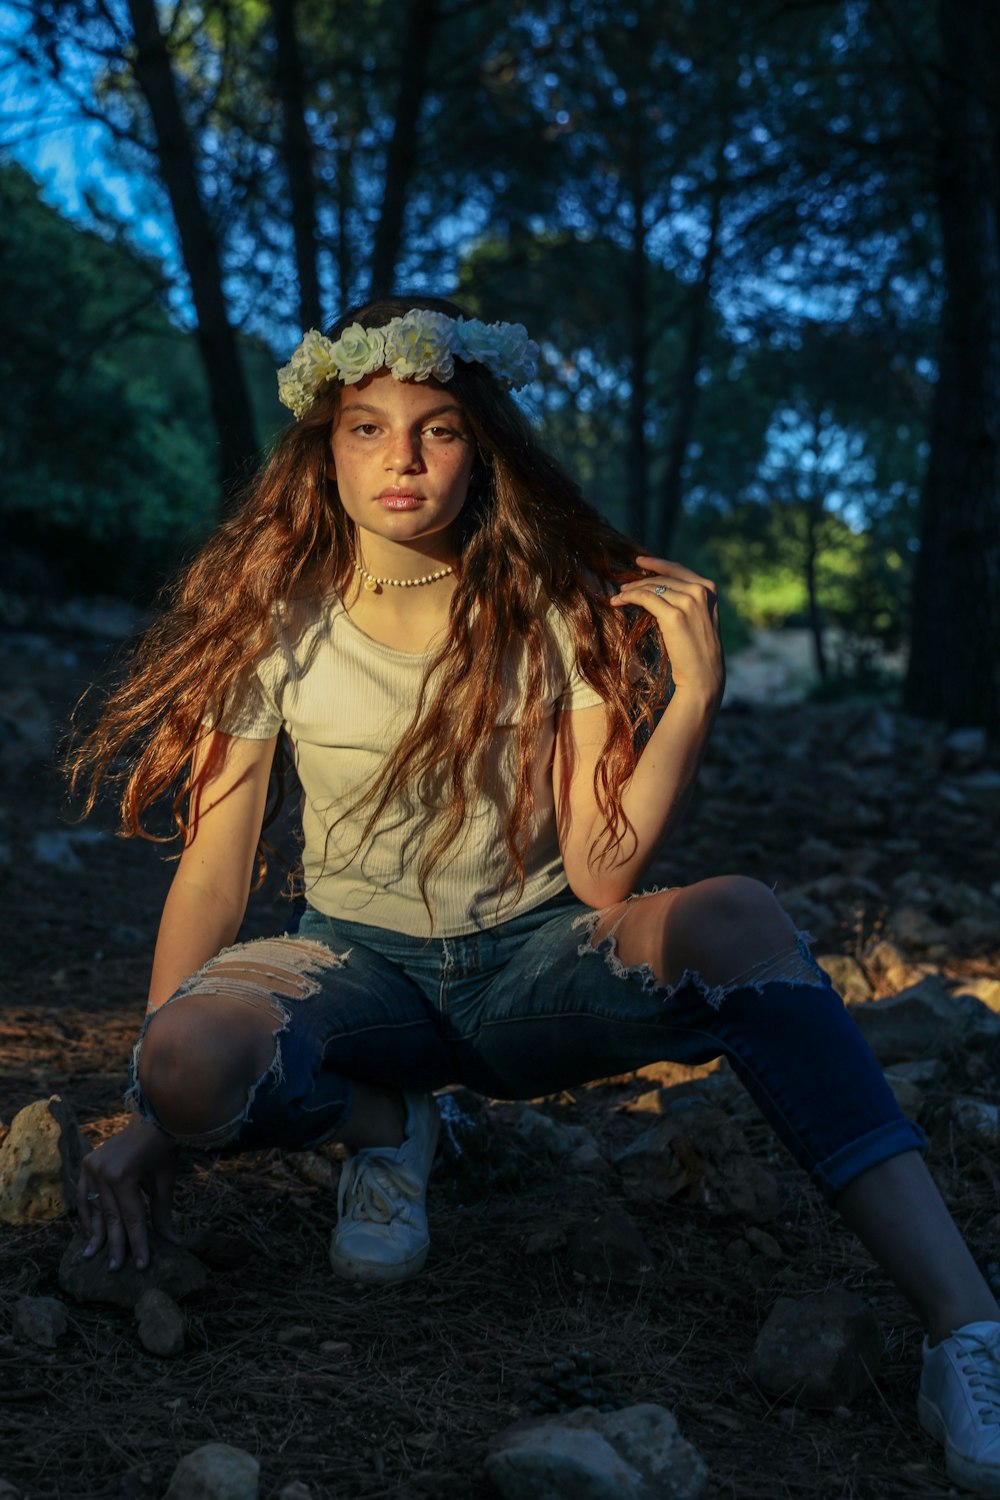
x=981 y=1367
x=371 y=1188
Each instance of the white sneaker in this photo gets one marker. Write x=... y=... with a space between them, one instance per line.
x=959 y=1404
x=381 y=1232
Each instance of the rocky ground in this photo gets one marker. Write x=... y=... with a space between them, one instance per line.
x=632 y=1243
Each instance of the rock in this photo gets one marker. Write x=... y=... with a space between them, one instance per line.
x=42 y=1320
x=907 y=1094
x=820 y=1351
x=975 y=1116
x=891 y=966
x=984 y=989
x=586 y=1159
x=161 y=1324
x=550 y=1135
x=965 y=749
x=847 y=977
x=295 y=1490
x=916 y=928
x=923 y=1073
x=312 y=1168
x=58 y=848
x=40 y=1163
x=921 y=1021
x=215 y=1471
x=299 y=1335
x=610 y=1248
x=763 y=1242
x=633 y=1454
x=25 y=725
x=698 y=1150
x=172 y=1269
x=983 y=790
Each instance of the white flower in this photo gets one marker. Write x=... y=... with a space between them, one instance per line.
x=504 y=348
x=516 y=357
x=358 y=352
x=309 y=368
x=419 y=345
x=413 y=347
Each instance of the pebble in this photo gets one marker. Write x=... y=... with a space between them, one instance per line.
x=41 y=1320
x=215 y=1471
x=161 y=1324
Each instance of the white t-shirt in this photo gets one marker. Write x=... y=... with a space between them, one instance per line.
x=345 y=701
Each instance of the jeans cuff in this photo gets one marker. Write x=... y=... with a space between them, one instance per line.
x=888 y=1140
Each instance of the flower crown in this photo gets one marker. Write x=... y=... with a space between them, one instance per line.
x=414 y=347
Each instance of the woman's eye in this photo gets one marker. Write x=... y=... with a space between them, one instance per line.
x=446 y=432
x=366 y=428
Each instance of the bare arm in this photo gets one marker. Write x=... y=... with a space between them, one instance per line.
x=208 y=895
x=655 y=795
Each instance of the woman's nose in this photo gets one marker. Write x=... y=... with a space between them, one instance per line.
x=404 y=453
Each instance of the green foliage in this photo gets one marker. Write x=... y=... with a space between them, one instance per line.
x=105 y=432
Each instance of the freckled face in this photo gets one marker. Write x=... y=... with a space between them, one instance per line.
x=402 y=456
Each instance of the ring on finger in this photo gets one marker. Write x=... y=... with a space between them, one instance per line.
x=660 y=589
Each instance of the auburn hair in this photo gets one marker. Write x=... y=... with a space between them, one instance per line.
x=527 y=539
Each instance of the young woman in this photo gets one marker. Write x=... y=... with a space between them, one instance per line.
x=496 y=710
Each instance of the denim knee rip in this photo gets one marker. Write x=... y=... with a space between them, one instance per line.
x=790 y=966
x=289 y=959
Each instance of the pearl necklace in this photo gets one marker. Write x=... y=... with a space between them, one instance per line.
x=371 y=583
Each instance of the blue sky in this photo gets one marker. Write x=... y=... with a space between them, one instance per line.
x=42 y=130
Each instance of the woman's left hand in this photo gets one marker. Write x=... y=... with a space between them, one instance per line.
x=687 y=612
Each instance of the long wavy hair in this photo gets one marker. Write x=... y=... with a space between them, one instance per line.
x=526 y=535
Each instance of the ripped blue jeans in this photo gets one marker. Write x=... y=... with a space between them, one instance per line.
x=531 y=1007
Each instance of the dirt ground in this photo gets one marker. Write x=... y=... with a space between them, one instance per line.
x=432 y=1369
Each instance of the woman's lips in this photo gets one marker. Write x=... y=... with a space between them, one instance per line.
x=400 y=502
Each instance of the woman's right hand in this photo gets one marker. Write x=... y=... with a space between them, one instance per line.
x=140 y=1156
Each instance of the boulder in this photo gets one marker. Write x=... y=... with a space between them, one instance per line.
x=215 y=1471
x=161 y=1324
x=42 y=1320
x=698 y=1150
x=552 y=1136
x=637 y=1453
x=172 y=1269
x=820 y=1351
x=40 y=1163
x=921 y=1021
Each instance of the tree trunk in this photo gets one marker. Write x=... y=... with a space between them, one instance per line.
x=814 y=508
x=954 y=669
x=687 y=388
x=401 y=157
x=298 y=151
x=230 y=402
x=637 y=302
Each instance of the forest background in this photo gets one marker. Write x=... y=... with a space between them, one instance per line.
x=758 y=243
